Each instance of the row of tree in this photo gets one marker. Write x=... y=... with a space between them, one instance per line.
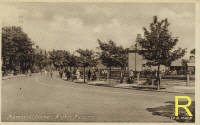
x=158 y=49
x=110 y=55
x=18 y=53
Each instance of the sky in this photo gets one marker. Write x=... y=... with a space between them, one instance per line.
x=69 y=26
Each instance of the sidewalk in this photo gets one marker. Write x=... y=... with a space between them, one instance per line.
x=180 y=89
x=11 y=77
x=171 y=89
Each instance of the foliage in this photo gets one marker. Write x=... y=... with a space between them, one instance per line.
x=87 y=58
x=192 y=51
x=16 y=46
x=74 y=61
x=158 y=45
x=112 y=55
x=59 y=58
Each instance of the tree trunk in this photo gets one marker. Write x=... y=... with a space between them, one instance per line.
x=158 y=77
x=84 y=74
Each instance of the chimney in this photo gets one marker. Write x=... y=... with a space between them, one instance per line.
x=139 y=36
x=138 y=46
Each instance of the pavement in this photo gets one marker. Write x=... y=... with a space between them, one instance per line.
x=11 y=77
x=168 y=89
x=41 y=98
x=176 y=88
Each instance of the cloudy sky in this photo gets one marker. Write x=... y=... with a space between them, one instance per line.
x=71 y=26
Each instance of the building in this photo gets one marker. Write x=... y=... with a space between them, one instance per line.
x=176 y=65
x=44 y=54
x=191 y=64
x=41 y=51
x=136 y=62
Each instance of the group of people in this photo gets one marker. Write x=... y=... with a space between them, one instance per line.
x=10 y=73
x=92 y=75
x=47 y=72
x=75 y=74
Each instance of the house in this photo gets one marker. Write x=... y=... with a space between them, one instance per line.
x=41 y=51
x=44 y=54
x=191 y=64
x=176 y=65
x=136 y=62
x=101 y=66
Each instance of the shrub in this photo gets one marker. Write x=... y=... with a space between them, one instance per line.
x=149 y=81
x=130 y=80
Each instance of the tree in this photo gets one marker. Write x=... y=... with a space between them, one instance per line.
x=112 y=55
x=59 y=58
x=74 y=61
x=40 y=60
x=16 y=48
x=87 y=58
x=158 y=44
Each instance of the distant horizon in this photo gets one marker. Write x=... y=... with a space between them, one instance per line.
x=69 y=26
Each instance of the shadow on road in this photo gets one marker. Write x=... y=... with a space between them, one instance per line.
x=169 y=111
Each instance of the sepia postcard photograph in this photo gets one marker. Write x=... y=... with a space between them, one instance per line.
x=98 y=62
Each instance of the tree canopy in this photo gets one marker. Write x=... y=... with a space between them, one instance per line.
x=158 y=45
x=87 y=58
x=16 y=45
x=112 y=55
x=60 y=58
x=192 y=51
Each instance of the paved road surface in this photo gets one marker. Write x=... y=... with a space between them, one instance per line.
x=52 y=99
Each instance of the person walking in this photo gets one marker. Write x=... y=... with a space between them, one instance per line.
x=77 y=74
x=73 y=72
x=29 y=73
x=68 y=74
x=12 y=73
x=51 y=73
x=89 y=75
x=131 y=77
x=61 y=73
x=45 y=72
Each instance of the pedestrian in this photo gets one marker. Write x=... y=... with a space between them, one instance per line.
x=131 y=76
x=29 y=73
x=77 y=74
x=45 y=72
x=51 y=73
x=73 y=72
x=89 y=75
x=68 y=74
x=61 y=73
x=12 y=73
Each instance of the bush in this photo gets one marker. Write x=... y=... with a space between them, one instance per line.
x=147 y=73
x=130 y=80
x=148 y=81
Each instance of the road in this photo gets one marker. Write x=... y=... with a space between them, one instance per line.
x=41 y=98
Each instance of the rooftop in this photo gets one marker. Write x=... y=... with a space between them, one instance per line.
x=177 y=62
